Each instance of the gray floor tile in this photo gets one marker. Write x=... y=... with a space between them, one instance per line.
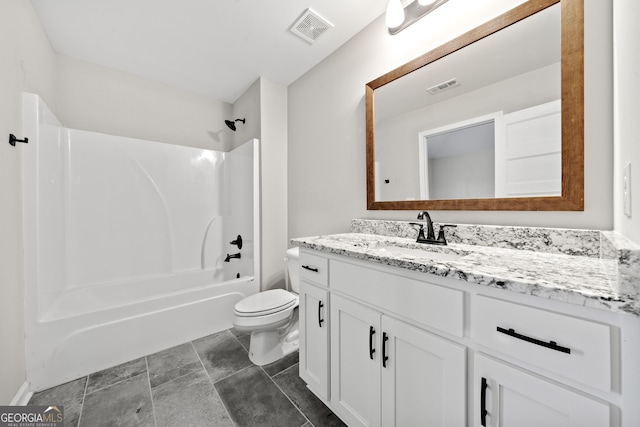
x=127 y=403
x=68 y=395
x=116 y=374
x=296 y=389
x=190 y=401
x=254 y=400
x=280 y=365
x=221 y=355
x=243 y=337
x=170 y=364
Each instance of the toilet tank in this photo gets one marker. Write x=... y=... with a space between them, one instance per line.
x=293 y=265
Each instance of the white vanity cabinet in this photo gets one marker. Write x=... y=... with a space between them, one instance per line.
x=314 y=324
x=355 y=362
x=566 y=348
x=509 y=397
x=385 y=346
x=314 y=338
x=385 y=370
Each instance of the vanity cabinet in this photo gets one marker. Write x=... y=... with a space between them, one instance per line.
x=510 y=397
x=385 y=370
x=314 y=323
x=566 y=348
x=314 y=338
x=384 y=346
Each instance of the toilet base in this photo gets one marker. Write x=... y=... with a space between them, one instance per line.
x=268 y=346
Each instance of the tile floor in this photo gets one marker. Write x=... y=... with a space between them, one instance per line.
x=207 y=382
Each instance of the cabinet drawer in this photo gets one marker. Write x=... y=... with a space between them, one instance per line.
x=570 y=347
x=431 y=305
x=314 y=268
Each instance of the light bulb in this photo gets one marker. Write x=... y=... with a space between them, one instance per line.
x=395 y=13
x=426 y=2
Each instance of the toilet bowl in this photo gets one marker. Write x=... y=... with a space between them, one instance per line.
x=272 y=318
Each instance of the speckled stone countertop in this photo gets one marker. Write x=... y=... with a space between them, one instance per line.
x=588 y=280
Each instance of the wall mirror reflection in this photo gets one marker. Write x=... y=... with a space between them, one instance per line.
x=484 y=126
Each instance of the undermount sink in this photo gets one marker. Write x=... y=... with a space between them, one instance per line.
x=441 y=255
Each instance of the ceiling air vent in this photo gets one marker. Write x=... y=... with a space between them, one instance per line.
x=442 y=86
x=310 y=26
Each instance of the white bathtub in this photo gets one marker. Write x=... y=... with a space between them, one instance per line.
x=91 y=329
x=125 y=242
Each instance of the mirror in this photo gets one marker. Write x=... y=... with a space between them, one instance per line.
x=511 y=129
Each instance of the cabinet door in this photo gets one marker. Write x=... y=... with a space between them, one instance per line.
x=314 y=338
x=514 y=398
x=355 y=362
x=423 y=380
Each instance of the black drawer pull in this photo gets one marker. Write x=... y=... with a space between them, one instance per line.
x=372 y=350
x=551 y=344
x=483 y=402
x=385 y=338
x=306 y=267
x=320 y=319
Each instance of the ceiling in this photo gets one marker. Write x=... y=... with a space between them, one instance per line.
x=215 y=48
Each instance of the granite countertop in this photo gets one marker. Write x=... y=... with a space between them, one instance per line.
x=581 y=280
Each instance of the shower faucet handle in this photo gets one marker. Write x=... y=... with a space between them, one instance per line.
x=237 y=242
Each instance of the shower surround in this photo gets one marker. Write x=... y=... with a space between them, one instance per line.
x=125 y=242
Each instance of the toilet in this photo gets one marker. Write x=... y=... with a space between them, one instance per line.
x=272 y=318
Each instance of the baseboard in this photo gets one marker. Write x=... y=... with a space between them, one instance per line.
x=22 y=396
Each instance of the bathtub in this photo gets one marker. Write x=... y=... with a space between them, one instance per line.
x=91 y=329
x=125 y=242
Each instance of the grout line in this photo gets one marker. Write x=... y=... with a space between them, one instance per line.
x=238 y=339
x=236 y=372
x=213 y=384
x=153 y=406
x=116 y=383
x=286 y=395
x=296 y=365
x=84 y=395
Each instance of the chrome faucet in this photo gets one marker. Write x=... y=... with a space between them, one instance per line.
x=430 y=237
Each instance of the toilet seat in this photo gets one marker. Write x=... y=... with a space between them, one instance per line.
x=265 y=303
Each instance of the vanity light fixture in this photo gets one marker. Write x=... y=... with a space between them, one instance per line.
x=399 y=18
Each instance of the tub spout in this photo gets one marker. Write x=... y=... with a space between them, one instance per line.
x=228 y=258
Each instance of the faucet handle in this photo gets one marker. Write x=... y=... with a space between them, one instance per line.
x=420 y=230
x=441 y=237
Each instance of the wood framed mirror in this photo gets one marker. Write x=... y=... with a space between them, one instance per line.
x=569 y=195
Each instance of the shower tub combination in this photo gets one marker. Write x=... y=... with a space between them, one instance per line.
x=125 y=245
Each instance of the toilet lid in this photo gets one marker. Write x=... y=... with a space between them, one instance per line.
x=266 y=302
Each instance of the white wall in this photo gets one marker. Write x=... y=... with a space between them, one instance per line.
x=327 y=186
x=99 y=99
x=27 y=65
x=627 y=112
x=264 y=106
x=273 y=138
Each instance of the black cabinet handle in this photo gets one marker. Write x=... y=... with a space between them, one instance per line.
x=483 y=402
x=372 y=350
x=385 y=338
x=551 y=344
x=320 y=319
x=306 y=267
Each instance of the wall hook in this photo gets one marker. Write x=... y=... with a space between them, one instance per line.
x=13 y=140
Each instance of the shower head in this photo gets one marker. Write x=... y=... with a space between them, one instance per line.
x=232 y=123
